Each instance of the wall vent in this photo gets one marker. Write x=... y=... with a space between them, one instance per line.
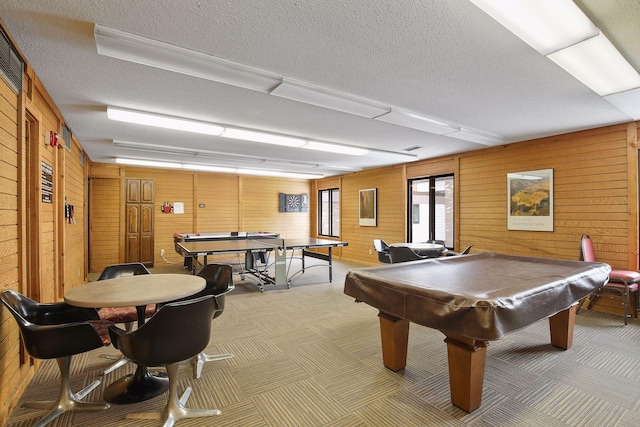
x=11 y=66
x=66 y=136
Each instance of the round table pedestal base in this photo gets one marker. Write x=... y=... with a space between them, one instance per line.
x=136 y=387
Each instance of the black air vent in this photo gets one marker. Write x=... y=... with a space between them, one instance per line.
x=11 y=66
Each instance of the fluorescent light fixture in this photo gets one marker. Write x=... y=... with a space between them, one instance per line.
x=207 y=168
x=162 y=121
x=546 y=25
x=156 y=148
x=599 y=65
x=477 y=137
x=327 y=98
x=154 y=53
x=415 y=121
x=335 y=148
x=148 y=163
x=267 y=138
x=279 y=174
x=627 y=102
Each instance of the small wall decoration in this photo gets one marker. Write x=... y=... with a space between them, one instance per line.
x=47 y=183
x=294 y=202
x=367 y=207
x=530 y=200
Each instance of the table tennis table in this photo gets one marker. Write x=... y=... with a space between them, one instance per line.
x=231 y=235
x=264 y=246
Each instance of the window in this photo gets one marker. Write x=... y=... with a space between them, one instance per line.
x=431 y=209
x=329 y=212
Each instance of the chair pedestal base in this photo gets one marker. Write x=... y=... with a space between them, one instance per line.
x=67 y=401
x=119 y=362
x=137 y=387
x=175 y=409
x=198 y=361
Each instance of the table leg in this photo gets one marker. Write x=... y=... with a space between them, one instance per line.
x=467 y=358
x=561 y=326
x=394 y=333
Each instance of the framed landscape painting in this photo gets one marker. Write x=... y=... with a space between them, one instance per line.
x=367 y=207
x=530 y=200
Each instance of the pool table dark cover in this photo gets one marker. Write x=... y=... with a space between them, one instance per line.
x=481 y=296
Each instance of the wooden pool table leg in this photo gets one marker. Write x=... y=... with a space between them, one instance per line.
x=561 y=327
x=394 y=333
x=467 y=358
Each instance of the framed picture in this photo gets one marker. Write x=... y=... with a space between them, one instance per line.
x=367 y=207
x=530 y=200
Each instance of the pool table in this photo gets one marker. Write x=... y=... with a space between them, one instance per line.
x=473 y=299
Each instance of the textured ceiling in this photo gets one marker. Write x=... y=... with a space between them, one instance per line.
x=445 y=59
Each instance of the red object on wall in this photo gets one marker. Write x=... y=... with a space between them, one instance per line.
x=54 y=139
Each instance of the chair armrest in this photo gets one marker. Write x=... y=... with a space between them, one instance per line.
x=53 y=341
x=115 y=333
x=59 y=313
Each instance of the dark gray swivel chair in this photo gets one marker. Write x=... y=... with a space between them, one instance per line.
x=176 y=332
x=404 y=254
x=58 y=331
x=382 y=249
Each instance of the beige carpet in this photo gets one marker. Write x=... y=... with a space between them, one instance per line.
x=310 y=356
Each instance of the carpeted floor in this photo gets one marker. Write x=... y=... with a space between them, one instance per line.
x=310 y=356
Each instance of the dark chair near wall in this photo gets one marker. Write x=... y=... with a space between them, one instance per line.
x=58 y=331
x=404 y=254
x=126 y=315
x=176 y=332
x=622 y=282
x=382 y=248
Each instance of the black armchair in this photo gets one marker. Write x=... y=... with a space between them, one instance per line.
x=178 y=331
x=57 y=331
x=404 y=254
x=126 y=315
x=382 y=248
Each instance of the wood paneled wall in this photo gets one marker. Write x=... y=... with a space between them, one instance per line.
x=231 y=203
x=591 y=195
x=12 y=377
x=74 y=232
x=595 y=193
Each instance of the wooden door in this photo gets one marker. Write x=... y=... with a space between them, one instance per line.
x=139 y=221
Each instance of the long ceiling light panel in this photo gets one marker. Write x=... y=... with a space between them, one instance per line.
x=559 y=30
x=415 y=121
x=327 y=98
x=154 y=53
x=265 y=138
x=162 y=121
x=188 y=125
x=599 y=65
x=208 y=168
x=545 y=25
